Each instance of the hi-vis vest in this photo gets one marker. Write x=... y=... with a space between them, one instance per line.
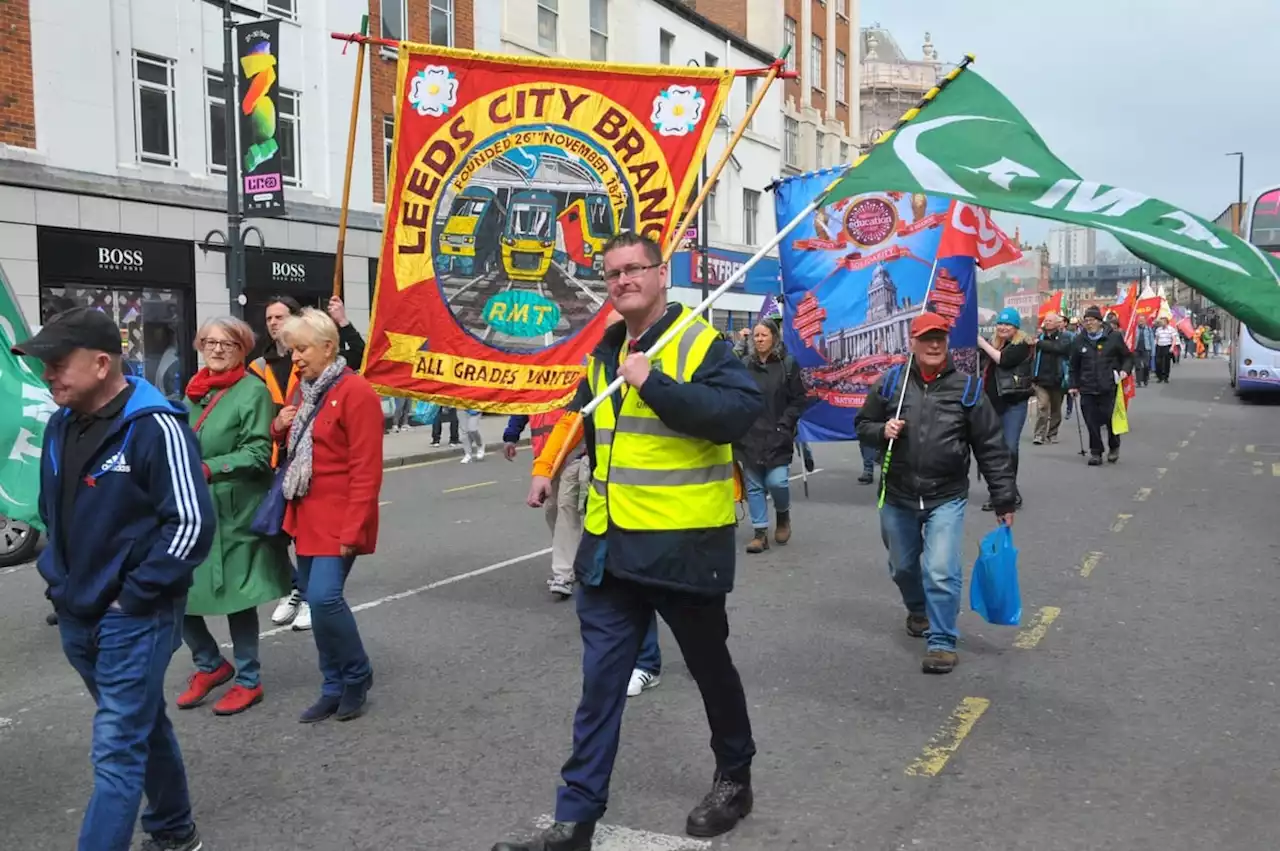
x=259 y=368
x=648 y=477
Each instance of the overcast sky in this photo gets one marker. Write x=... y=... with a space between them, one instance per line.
x=1145 y=94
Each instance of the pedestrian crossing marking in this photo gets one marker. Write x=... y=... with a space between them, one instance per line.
x=1142 y=494
x=947 y=740
x=1173 y=456
x=1037 y=629
x=610 y=837
x=1121 y=520
x=1089 y=563
x=1182 y=444
x=1160 y=471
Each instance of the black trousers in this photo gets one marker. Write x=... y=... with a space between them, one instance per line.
x=1096 y=411
x=614 y=617
x=1163 y=355
x=445 y=414
x=1142 y=367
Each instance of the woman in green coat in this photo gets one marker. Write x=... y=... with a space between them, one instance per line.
x=231 y=412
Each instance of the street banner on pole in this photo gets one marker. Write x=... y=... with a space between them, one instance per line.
x=22 y=421
x=508 y=176
x=853 y=277
x=261 y=158
x=970 y=143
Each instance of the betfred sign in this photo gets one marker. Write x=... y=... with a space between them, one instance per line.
x=719 y=269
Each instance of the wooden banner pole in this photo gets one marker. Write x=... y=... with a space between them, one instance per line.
x=351 y=151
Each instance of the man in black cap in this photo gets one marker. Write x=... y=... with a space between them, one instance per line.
x=1099 y=361
x=128 y=517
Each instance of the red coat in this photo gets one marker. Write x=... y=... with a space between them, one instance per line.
x=341 y=506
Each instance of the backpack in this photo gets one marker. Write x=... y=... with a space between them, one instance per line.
x=890 y=382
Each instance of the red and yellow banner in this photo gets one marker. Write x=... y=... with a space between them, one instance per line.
x=508 y=175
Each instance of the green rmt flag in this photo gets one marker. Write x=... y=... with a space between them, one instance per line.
x=23 y=415
x=971 y=143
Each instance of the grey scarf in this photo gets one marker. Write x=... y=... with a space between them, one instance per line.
x=297 y=477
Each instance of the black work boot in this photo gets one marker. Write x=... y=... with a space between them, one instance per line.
x=728 y=803
x=917 y=625
x=782 y=534
x=561 y=836
x=1095 y=460
x=867 y=476
x=1113 y=456
x=760 y=542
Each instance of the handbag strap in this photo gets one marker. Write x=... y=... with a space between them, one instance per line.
x=209 y=407
x=319 y=404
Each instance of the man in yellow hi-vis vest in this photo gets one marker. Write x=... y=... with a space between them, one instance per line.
x=658 y=537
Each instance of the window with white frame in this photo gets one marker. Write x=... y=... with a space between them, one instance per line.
x=750 y=211
x=289 y=135
x=710 y=203
x=842 y=72
x=844 y=153
x=599 y=30
x=789 y=40
x=752 y=83
x=441 y=22
x=791 y=141
x=393 y=15
x=388 y=141
x=820 y=149
x=549 y=24
x=153 y=113
x=815 y=62
x=666 y=41
x=286 y=9
x=841 y=9
x=215 y=102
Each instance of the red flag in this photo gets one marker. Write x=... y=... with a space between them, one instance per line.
x=971 y=232
x=1149 y=308
x=1127 y=313
x=1052 y=305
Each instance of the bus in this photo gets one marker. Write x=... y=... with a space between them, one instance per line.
x=1254 y=360
x=529 y=238
x=585 y=226
x=469 y=241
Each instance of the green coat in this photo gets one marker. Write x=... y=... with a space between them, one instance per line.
x=243 y=570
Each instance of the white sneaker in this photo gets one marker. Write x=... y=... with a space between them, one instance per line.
x=288 y=608
x=480 y=453
x=466 y=459
x=641 y=681
x=562 y=588
x=302 y=622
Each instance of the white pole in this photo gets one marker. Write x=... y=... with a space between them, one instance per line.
x=676 y=329
x=924 y=305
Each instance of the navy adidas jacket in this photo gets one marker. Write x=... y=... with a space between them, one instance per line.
x=142 y=520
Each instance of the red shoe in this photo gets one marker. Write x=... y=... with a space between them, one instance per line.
x=200 y=684
x=237 y=700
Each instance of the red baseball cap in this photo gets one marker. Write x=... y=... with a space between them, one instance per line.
x=927 y=322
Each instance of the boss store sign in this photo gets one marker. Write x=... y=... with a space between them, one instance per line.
x=296 y=273
x=89 y=256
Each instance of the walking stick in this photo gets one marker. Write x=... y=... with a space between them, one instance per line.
x=804 y=470
x=1079 y=428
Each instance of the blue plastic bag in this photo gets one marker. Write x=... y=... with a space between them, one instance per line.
x=424 y=413
x=993 y=588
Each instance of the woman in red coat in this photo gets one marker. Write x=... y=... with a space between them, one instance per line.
x=332 y=429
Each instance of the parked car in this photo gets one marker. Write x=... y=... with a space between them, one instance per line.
x=18 y=542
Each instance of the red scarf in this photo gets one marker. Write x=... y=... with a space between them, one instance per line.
x=204 y=382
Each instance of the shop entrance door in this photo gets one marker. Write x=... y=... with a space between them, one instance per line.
x=154 y=333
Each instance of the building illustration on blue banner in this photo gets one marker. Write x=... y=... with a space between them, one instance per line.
x=854 y=277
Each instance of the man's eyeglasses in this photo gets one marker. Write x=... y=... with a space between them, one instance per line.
x=629 y=272
x=220 y=345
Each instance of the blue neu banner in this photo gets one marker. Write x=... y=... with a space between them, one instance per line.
x=853 y=277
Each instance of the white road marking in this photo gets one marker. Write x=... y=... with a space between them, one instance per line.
x=612 y=838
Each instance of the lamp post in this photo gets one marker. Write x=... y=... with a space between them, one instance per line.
x=702 y=221
x=1239 y=216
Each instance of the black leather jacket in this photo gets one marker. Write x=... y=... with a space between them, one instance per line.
x=930 y=462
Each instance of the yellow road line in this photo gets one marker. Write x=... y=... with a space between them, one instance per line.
x=1036 y=630
x=1160 y=471
x=947 y=740
x=1248 y=449
x=1121 y=520
x=1142 y=494
x=467 y=487
x=1173 y=456
x=450 y=459
x=1089 y=563
x=1275 y=469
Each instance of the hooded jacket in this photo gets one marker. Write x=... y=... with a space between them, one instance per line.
x=1095 y=362
x=142 y=519
x=771 y=437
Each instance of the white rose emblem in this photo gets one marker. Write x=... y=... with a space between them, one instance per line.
x=677 y=110
x=433 y=91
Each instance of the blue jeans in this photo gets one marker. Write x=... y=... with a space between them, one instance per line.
x=650 y=655
x=1011 y=423
x=774 y=480
x=924 y=560
x=122 y=660
x=244 y=642
x=342 y=658
x=868 y=453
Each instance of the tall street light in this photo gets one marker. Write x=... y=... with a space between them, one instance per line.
x=1239 y=216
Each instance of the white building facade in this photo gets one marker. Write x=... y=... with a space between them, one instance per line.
x=1073 y=246
x=121 y=204
x=667 y=32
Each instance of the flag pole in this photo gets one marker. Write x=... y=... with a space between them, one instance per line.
x=351 y=150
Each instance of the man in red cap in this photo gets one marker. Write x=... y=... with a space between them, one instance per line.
x=944 y=416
